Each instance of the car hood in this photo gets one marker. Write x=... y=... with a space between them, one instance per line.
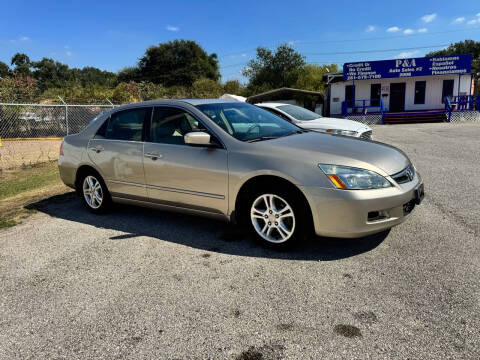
x=325 y=123
x=339 y=150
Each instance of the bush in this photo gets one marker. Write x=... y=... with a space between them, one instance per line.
x=151 y=91
x=126 y=93
x=206 y=88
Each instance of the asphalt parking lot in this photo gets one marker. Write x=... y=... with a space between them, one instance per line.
x=139 y=284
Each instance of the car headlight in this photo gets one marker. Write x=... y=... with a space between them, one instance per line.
x=342 y=132
x=345 y=177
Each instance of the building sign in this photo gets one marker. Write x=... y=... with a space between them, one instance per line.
x=425 y=66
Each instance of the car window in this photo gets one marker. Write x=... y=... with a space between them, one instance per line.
x=247 y=122
x=299 y=113
x=126 y=125
x=169 y=125
x=278 y=113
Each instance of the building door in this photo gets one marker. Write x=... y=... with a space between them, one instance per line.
x=375 y=94
x=447 y=90
x=350 y=95
x=397 y=97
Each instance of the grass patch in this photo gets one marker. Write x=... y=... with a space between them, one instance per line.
x=22 y=187
x=14 y=182
x=7 y=223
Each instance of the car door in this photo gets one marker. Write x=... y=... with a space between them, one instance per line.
x=117 y=152
x=193 y=177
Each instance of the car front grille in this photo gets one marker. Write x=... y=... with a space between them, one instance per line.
x=367 y=135
x=404 y=176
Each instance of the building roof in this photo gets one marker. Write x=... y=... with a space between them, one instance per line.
x=281 y=93
x=333 y=77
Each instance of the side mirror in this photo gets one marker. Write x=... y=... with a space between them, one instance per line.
x=197 y=138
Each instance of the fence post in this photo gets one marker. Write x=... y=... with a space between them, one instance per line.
x=66 y=112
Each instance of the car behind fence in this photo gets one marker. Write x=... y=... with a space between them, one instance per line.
x=31 y=133
x=20 y=121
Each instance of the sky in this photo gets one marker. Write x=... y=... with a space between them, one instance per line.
x=113 y=34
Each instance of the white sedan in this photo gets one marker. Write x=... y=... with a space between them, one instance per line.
x=312 y=121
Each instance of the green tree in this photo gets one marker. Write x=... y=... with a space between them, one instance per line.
x=310 y=76
x=22 y=64
x=464 y=47
x=178 y=62
x=90 y=75
x=4 y=70
x=129 y=73
x=270 y=70
x=50 y=73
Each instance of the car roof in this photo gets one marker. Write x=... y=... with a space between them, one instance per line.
x=271 y=104
x=193 y=102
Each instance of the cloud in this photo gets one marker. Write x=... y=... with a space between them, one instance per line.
x=407 y=54
x=429 y=18
x=473 y=21
x=478 y=14
x=370 y=28
x=422 y=30
x=458 y=20
x=408 y=31
x=66 y=47
x=69 y=53
x=172 y=28
x=393 y=29
x=24 y=38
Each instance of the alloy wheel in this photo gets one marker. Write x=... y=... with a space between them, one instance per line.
x=273 y=218
x=92 y=192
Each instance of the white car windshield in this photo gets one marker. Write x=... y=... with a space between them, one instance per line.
x=247 y=122
x=299 y=113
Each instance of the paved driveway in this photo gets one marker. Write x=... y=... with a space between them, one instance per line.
x=143 y=284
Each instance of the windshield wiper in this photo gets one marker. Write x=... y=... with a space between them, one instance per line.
x=261 y=138
x=300 y=131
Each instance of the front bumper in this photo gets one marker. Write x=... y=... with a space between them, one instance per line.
x=351 y=213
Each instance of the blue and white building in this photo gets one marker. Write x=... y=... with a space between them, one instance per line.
x=403 y=90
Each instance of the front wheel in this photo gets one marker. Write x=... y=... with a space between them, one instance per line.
x=95 y=194
x=276 y=218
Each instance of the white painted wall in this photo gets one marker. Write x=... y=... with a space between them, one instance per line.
x=433 y=91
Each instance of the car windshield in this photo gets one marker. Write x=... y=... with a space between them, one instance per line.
x=299 y=113
x=246 y=122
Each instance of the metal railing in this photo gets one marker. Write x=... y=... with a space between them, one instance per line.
x=461 y=103
x=45 y=120
x=361 y=107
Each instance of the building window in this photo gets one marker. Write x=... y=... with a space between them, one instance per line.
x=350 y=95
x=447 y=89
x=420 y=92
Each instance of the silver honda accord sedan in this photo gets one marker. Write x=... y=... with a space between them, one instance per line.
x=237 y=162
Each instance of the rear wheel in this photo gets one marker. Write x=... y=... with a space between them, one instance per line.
x=275 y=217
x=95 y=193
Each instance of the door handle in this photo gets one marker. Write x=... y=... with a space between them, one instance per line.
x=153 y=155
x=97 y=148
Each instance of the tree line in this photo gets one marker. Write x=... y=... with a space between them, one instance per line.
x=174 y=69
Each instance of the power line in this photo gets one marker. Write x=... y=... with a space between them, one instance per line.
x=376 y=51
x=300 y=42
x=352 y=52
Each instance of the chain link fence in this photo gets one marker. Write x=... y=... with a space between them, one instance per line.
x=19 y=121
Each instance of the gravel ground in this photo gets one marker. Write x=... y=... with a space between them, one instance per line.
x=138 y=283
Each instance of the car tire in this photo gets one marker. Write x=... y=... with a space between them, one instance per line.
x=275 y=217
x=94 y=193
